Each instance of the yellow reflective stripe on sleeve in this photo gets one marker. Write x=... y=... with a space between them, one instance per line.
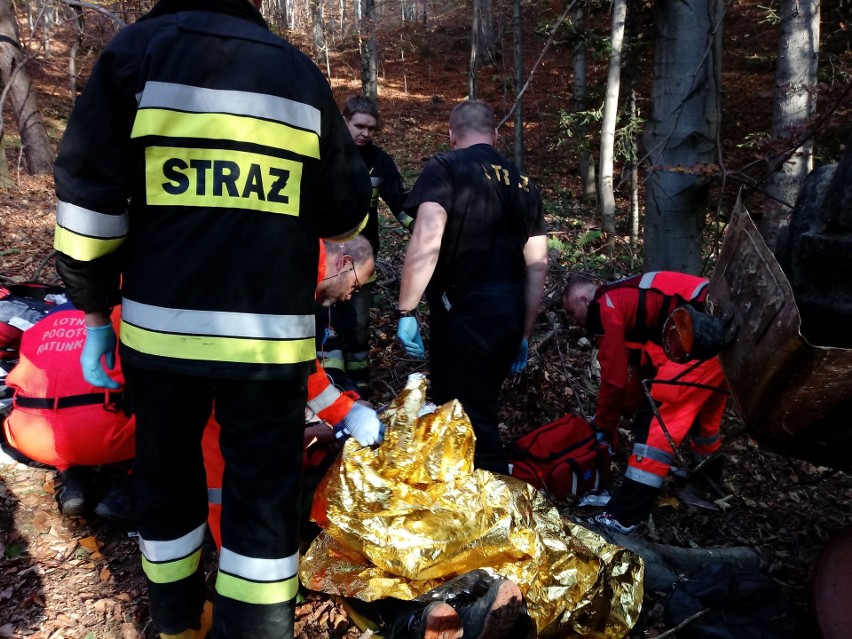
x=168 y=572
x=222 y=179
x=81 y=247
x=218 y=349
x=253 y=592
x=224 y=126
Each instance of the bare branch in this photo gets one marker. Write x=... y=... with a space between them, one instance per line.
x=537 y=62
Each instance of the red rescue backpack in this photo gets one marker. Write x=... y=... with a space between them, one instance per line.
x=564 y=457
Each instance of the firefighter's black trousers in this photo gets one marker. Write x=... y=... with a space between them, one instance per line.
x=262 y=424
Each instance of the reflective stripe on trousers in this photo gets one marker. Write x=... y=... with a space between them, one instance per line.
x=261 y=441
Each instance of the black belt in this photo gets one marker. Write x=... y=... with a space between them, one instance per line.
x=109 y=400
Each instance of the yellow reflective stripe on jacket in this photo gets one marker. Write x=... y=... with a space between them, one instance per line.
x=183 y=97
x=218 y=349
x=174 y=559
x=223 y=126
x=216 y=323
x=257 y=581
x=222 y=179
x=84 y=234
x=171 y=571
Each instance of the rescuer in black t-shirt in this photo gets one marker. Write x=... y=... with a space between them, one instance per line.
x=479 y=251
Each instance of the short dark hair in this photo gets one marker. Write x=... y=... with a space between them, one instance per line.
x=360 y=104
x=473 y=116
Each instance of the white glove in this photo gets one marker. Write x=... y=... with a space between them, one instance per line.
x=363 y=424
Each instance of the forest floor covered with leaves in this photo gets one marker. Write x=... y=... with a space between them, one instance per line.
x=81 y=578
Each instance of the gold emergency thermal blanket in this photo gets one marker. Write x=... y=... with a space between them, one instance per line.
x=404 y=517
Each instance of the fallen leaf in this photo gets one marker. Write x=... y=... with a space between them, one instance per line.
x=105 y=574
x=91 y=543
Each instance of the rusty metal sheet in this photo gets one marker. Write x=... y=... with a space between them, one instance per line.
x=792 y=394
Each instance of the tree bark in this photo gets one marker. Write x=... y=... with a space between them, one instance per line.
x=795 y=104
x=475 y=48
x=519 y=83
x=38 y=152
x=610 y=115
x=585 y=159
x=369 y=51
x=680 y=135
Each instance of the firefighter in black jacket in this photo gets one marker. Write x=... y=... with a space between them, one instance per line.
x=199 y=167
x=345 y=348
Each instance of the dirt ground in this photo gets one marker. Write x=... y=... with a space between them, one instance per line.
x=81 y=578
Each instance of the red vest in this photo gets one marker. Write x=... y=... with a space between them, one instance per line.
x=57 y=417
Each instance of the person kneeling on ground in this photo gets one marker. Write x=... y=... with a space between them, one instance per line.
x=626 y=318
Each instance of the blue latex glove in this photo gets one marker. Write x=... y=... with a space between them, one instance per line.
x=363 y=424
x=100 y=342
x=408 y=334
x=520 y=362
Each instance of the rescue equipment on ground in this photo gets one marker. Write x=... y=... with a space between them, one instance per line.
x=565 y=457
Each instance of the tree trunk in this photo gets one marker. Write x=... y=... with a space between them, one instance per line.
x=665 y=565
x=586 y=160
x=284 y=10
x=610 y=115
x=79 y=24
x=795 y=104
x=369 y=51
x=38 y=151
x=475 y=48
x=318 y=32
x=681 y=131
x=519 y=84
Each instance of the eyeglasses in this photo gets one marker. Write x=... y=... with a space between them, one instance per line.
x=357 y=286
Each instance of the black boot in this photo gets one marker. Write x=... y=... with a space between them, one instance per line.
x=73 y=492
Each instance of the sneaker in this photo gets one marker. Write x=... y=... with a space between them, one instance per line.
x=117 y=504
x=72 y=493
x=493 y=615
x=607 y=521
x=595 y=498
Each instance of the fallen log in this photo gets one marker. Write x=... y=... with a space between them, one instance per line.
x=665 y=565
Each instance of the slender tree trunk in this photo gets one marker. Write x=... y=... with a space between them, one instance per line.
x=318 y=31
x=634 y=177
x=79 y=24
x=38 y=151
x=681 y=131
x=586 y=160
x=795 y=104
x=369 y=51
x=475 y=48
x=610 y=116
x=284 y=9
x=519 y=84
